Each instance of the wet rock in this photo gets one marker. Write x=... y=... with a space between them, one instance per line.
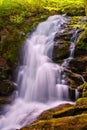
x=79 y=65
x=61 y=45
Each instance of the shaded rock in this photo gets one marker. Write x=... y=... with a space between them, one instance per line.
x=4 y=101
x=6 y=87
x=5 y=70
x=6 y=84
x=48 y=114
x=79 y=65
x=61 y=45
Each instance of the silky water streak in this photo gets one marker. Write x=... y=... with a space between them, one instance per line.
x=41 y=83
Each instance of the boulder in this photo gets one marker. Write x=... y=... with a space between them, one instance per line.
x=63 y=117
x=61 y=45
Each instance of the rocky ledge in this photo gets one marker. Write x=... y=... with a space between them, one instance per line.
x=63 y=117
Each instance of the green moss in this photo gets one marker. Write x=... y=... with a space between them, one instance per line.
x=82 y=41
x=63 y=118
x=81 y=103
x=85 y=1
x=49 y=113
x=11 y=39
x=78 y=22
x=84 y=93
x=67 y=123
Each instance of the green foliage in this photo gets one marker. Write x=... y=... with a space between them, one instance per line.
x=82 y=41
x=17 y=19
x=63 y=6
x=24 y=15
x=84 y=93
x=85 y=1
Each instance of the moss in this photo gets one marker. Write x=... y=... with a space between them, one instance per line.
x=11 y=39
x=64 y=117
x=81 y=103
x=78 y=22
x=69 y=112
x=84 y=92
x=67 y=123
x=85 y=1
x=51 y=112
x=82 y=41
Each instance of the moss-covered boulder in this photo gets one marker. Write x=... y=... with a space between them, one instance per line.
x=48 y=114
x=81 y=45
x=84 y=92
x=67 y=123
x=81 y=103
x=64 y=117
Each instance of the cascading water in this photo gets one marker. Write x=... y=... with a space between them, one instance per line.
x=41 y=82
x=38 y=76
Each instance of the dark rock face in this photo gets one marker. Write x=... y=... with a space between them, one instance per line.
x=61 y=45
x=77 y=70
x=6 y=84
x=6 y=87
x=79 y=65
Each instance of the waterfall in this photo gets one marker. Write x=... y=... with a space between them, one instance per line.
x=41 y=83
x=39 y=77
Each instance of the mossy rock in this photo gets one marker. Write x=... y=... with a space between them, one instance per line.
x=69 y=112
x=82 y=42
x=64 y=117
x=67 y=123
x=50 y=113
x=81 y=103
x=85 y=1
x=84 y=87
x=61 y=45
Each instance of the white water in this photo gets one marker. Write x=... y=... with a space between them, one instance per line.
x=41 y=83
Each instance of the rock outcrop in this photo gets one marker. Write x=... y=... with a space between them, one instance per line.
x=63 y=117
x=6 y=84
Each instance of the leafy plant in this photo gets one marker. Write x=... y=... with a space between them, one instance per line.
x=17 y=19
